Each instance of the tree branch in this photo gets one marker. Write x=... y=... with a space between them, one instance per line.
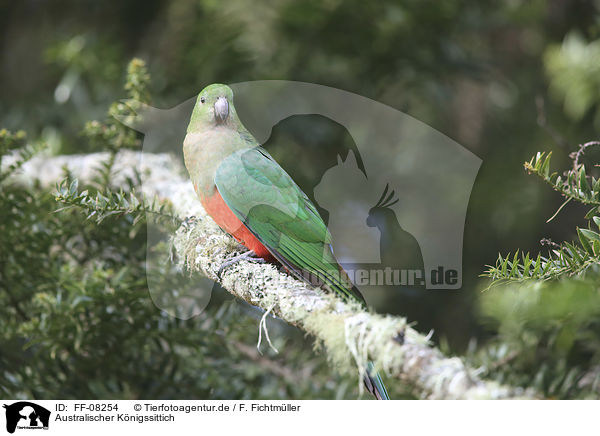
x=349 y=335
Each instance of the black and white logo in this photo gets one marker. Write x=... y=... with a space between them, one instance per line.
x=26 y=415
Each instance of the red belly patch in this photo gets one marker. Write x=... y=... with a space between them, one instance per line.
x=226 y=219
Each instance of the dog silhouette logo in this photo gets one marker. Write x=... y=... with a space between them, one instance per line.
x=26 y=415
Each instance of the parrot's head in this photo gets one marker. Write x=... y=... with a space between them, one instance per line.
x=214 y=107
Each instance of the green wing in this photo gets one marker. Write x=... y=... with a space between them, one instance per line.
x=266 y=199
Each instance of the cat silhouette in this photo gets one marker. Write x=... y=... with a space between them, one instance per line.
x=346 y=193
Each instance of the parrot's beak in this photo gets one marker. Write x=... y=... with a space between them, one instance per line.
x=221 y=109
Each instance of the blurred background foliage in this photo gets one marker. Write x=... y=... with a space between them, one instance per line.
x=504 y=79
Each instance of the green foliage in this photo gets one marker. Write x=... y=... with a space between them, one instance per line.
x=16 y=144
x=574 y=69
x=546 y=309
x=547 y=337
x=104 y=201
x=107 y=203
x=112 y=133
x=567 y=258
x=574 y=183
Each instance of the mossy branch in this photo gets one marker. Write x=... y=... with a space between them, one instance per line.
x=349 y=335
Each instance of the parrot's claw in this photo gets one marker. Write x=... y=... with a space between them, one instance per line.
x=249 y=256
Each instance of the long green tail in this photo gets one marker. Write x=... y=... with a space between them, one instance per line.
x=374 y=383
x=372 y=379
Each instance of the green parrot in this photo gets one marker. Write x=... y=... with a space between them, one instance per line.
x=245 y=191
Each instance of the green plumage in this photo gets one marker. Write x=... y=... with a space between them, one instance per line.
x=266 y=199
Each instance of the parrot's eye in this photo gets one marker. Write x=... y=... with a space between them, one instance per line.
x=202 y=99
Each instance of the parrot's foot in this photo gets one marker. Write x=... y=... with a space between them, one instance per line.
x=249 y=256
